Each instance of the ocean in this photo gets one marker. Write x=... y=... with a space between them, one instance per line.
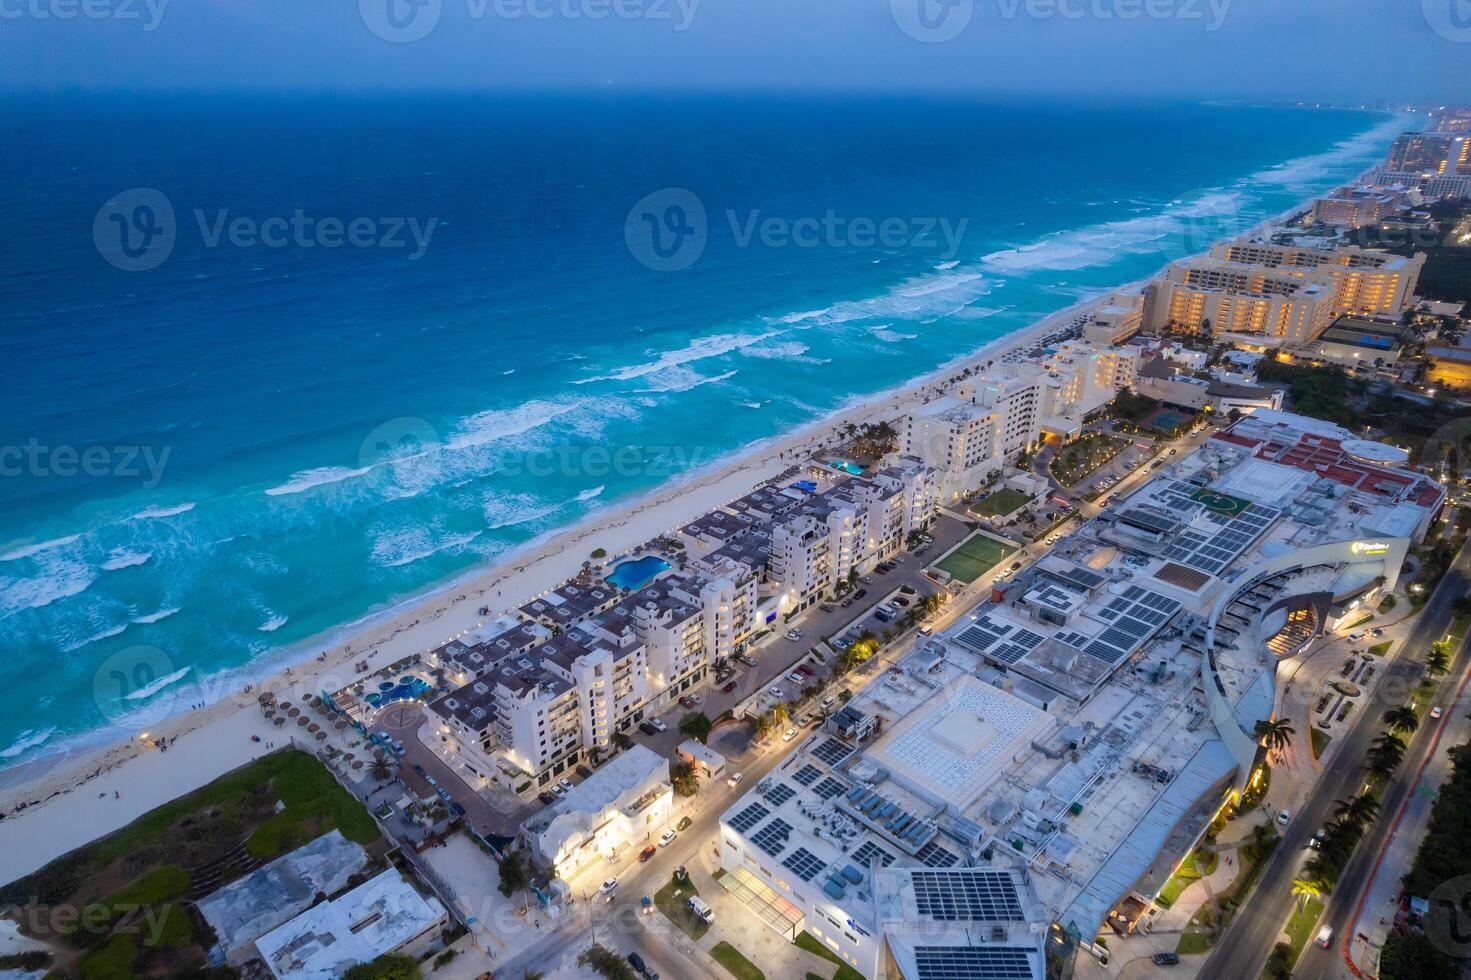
x=274 y=365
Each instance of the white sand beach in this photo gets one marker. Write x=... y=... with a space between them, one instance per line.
x=57 y=803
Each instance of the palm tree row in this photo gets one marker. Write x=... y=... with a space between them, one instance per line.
x=1341 y=835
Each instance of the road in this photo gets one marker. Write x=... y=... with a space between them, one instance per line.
x=1242 y=951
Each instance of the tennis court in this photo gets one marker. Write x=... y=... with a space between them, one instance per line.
x=1167 y=420
x=1002 y=502
x=975 y=556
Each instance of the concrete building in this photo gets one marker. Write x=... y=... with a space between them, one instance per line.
x=384 y=915
x=1355 y=207
x=1362 y=280
x=1173 y=384
x=1243 y=304
x=626 y=803
x=1359 y=341
x=966 y=436
x=1081 y=378
x=1118 y=318
x=1430 y=154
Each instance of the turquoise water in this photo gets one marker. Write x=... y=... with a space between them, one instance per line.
x=294 y=437
x=636 y=574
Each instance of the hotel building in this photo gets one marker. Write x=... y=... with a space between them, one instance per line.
x=1434 y=154
x=971 y=433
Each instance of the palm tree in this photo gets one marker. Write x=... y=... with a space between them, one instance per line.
x=1402 y=719
x=931 y=604
x=1307 y=889
x=1438 y=659
x=1388 y=741
x=1379 y=766
x=380 y=770
x=1275 y=735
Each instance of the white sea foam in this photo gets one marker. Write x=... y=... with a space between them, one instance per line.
x=499 y=424
x=1302 y=173
x=697 y=350
x=155 y=617
x=750 y=404
x=592 y=494
x=274 y=623
x=683 y=379
x=120 y=558
x=320 y=476
x=31 y=550
x=62 y=579
x=891 y=337
x=102 y=635
x=156 y=512
x=510 y=510
x=786 y=350
x=149 y=690
x=945 y=266
x=406 y=545
x=28 y=739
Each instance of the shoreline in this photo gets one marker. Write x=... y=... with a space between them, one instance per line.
x=221 y=728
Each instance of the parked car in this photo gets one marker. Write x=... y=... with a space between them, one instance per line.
x=697 y=905
x=431 y=781
x=795 y=678
x=829 y=701
x=566 y=784
x=609 y=885
x=728 y=688
x=1165 y=959
x=647 y=853
x=647 y=727
x=900 y=601
x=667 y=838
x=1285 y=817
x=789 y=734
x=684 y=824
x=860 y=593
x=420 y=769
x=456 y=809
x=826 y=607
x=559 y=791
x=637 y=962
x=866 y=580
x=847 y=602
x=546 y=798
x=1015 y=565
x=735 y=779
x=443 y=794
x=659 y=725
x=776 y=692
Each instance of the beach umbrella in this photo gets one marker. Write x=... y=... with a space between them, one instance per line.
x=357 y=763
x=314 y=727
x=284 y=705
x=321 y=736
x=280 y=722
x=340 y=724
x=301 y=720
x=294 y=712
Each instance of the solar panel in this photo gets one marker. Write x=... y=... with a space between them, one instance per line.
x=779 y=793
x=972 y=963
x=803 y=863
x=832 y=751
x=807 y=775
x=773 y=837
x=829 y=788
x=966 y=896
x=936 y=856
x=870 y=850
x=749 y=817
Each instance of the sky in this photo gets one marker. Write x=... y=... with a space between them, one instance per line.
x=1342 y=51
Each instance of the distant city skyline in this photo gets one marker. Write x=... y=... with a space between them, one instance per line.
x=1343 y=51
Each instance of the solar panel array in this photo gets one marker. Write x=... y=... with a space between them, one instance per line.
x=972 y=963
x=1133 y=618
x=807 y=775
x=1021 y=643
x=966 y=896
x=935 y=856
x=803 y=863
x=870 y=850
x=749 y=817
x=779 y=793
x=773 y=837
x=832 y=751
x=1211 y=549
x=829 y=788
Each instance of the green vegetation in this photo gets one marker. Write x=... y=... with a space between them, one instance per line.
x=671 y=901
x=1447 y=272
x=606 y=962
x=696 y=726
x=1323 y=392
x=386 y=967
x=1412 y=956
x=113 y=960
x=512 y=874
x=33 y=959
x=598 y=554
x=314 y=804
x=999 y=504
x=1132 y=406
x=974 y=557
x=1380 y=649
x=739 y=967
x=1320 y=739
x=1301 y=926
x=814 y=945
x=1211 y=919
x=1075 y=461
x=683 y=778
x=1444 y=853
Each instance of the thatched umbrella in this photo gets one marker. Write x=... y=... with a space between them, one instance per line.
x=321 y=736
x=280 y=722
x=340 y=724
x=314 y=727
x=301 y=720
x=266 y=697
x=293 y=712
x=357 y=763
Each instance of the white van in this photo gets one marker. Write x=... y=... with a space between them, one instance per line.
x=697 y=905
x=1325 y=936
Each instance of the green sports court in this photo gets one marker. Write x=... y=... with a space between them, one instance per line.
x=974 y=557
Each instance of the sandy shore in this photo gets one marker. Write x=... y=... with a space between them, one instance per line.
x=59 y=802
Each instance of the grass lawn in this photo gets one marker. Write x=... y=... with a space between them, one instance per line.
x=671 y=901
x=1380 y=649
x=1320 y=741
x=1199 y=934
x=1077 y=460
x=975 y=556
x=999 y=504
x=738 y=966
x=1301 y=926
x=814 y=945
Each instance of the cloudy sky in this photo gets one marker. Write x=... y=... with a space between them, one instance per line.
x=1338 y=50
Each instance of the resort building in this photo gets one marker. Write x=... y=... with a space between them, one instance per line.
x=626 y=803
x=1242 y=304
x=1081 y=378
x=970 y=434
x=1430 y=154
x=1359 y=341
x=385 y=914
x=1362 y=280
x=1349 y=207
x=1037 y=772
x=1172 y=383
x=1449 y=367
x=1115 y=320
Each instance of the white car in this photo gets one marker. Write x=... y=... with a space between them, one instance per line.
x=659 y=725
x=609 y=885
x=793 y=635
x=795 y=678
x=829 y=701
x=776 y=692
x=1435 y=711
x=789 y=734
x=564 y=784
x=1284 y=817
x=736 y=779
x=667 y=838
x=558 y=790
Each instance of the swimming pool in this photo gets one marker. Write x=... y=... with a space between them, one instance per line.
x=634 y=575
x=408 y=688
x=846 y=467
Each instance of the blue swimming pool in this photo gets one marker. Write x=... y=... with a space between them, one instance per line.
x=408 y=688
x=634 y=575
x=846 y=467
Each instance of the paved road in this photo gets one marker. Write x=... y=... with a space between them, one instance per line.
x=1242 y=951
x=1430 y=738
